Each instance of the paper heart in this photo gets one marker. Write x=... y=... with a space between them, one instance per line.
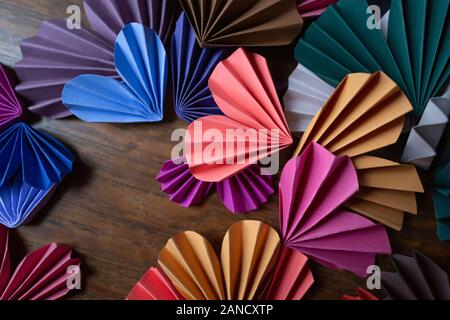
x=254 y=120
x=141 y=62
x=312 y=189
x=57 y=55
x=249 y=252
x=41 y=159
x=41 y=275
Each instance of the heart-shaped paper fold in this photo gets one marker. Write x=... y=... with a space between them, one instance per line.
x=41 y=275
x=141 y=62
x=253 y=127
x=249 y=252
x=41 y=159
x=312 y=189
x=57 y=54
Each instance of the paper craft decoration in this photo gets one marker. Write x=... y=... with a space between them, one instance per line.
x=141 y=62
x=361 y=294
x=292 y=277
x=41 y=159
x=424 y=138
x=42 y=275
x=154 y=285
x=387 y=190
x=313 y=187
x=57 y=55
x=313 y=8
x=365 y=113
x=108 y=17
x=441 y=194
x=243 y=23
x=339 y=43
x=305 y=96
x=10 y=107
x=253 y=123
x=191 y=68
x=19 y=202
x=249 y=253
x=417 y=278
x=245 y=192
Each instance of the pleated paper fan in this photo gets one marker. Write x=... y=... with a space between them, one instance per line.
x=417 y=278
x=441 y=194
x=108 y=17
x=42 y=160
x=253 y=123
x=305 y=96
x=19 y=202
x=415 y=53
x=387 y=190
x=191 y=68
x=313 y=187
x=154 y=285
x=249 y=253
x=10 y=106
x=313 y=8
x=55 y=56
x=361 y=295
x=243 y=23
x=365 y=113
x=292 y=277
x=244 y=192
x=42 y=275
x=141 y=61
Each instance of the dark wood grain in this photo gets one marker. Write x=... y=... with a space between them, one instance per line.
x=111 y=208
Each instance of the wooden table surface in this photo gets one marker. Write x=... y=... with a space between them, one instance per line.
x=112 y=210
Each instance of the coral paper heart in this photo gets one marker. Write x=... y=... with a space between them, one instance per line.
x=253 y=127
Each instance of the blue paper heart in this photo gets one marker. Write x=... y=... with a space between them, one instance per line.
x=41 y=159
x=141 y=61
